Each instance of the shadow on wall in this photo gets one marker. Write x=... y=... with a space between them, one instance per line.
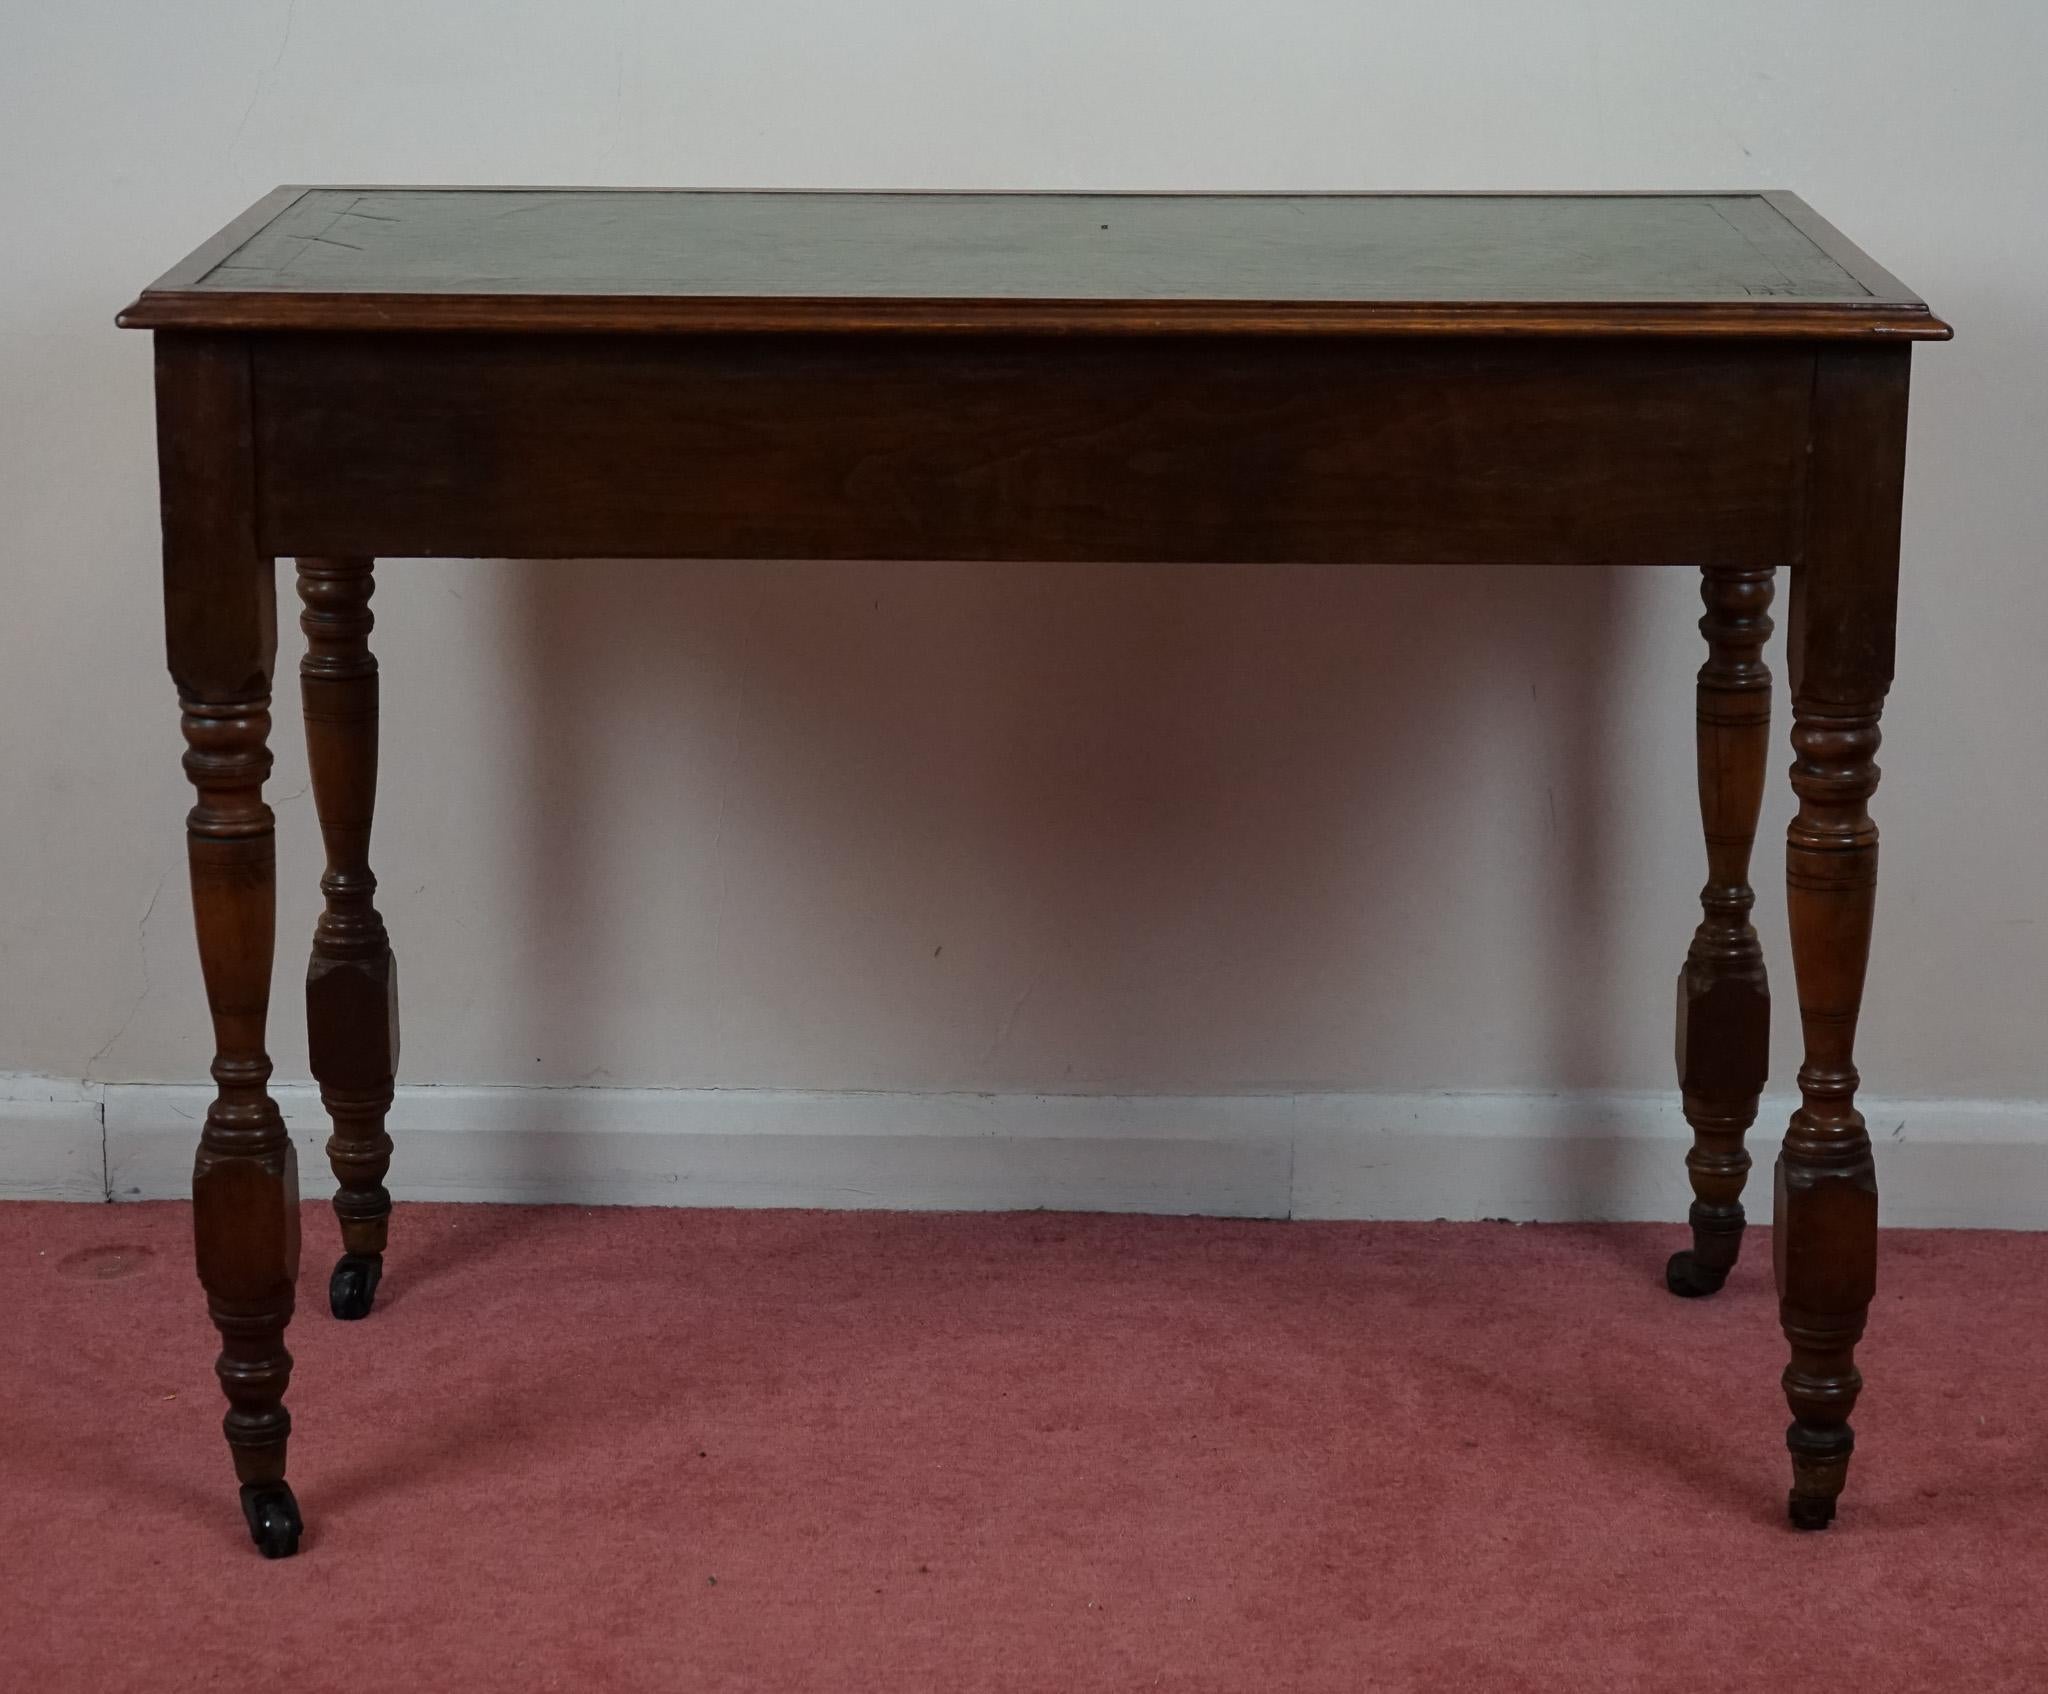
x=1070 y=828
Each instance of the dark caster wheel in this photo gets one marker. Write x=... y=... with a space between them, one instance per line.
x=1808 y=1512
x=1686 y=1277
x=274 y=1523
x=352 y=1290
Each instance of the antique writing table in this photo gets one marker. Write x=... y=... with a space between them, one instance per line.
x=1710 y=380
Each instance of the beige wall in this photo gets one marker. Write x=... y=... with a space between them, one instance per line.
x=929 y=826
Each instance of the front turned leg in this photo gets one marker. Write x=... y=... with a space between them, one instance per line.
x=245 y=1181
x=1844 y=615
x=1724 y=996
x=220 y=625
x=352 y=982
x=1825 y=1234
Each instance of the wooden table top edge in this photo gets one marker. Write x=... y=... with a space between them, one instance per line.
x=277 y=311
x=176 y=301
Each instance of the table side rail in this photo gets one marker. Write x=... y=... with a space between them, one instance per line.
x=1413 y=451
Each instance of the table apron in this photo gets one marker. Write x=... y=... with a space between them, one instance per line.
x=1459 y=451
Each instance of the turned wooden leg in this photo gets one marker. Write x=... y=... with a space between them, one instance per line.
x=221 y=622
x=245 y=1182
x=352 y=982
x=1844 y=599
x=1724 y=996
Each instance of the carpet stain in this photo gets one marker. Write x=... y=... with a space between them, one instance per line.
x=105 y=1263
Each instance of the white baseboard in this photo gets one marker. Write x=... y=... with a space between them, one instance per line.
x=52 y=1146
x=1545 y=1157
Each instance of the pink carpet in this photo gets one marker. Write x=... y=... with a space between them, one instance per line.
x=677 y=1450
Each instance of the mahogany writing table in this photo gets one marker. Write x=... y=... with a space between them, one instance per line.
x=1709 y=380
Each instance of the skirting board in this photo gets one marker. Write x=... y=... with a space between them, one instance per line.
x=52 y=1141
x=1528 y=1157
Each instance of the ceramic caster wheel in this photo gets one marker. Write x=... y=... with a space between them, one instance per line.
x=352 y=1290
x=1686 y=1277
x=274 y=1523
